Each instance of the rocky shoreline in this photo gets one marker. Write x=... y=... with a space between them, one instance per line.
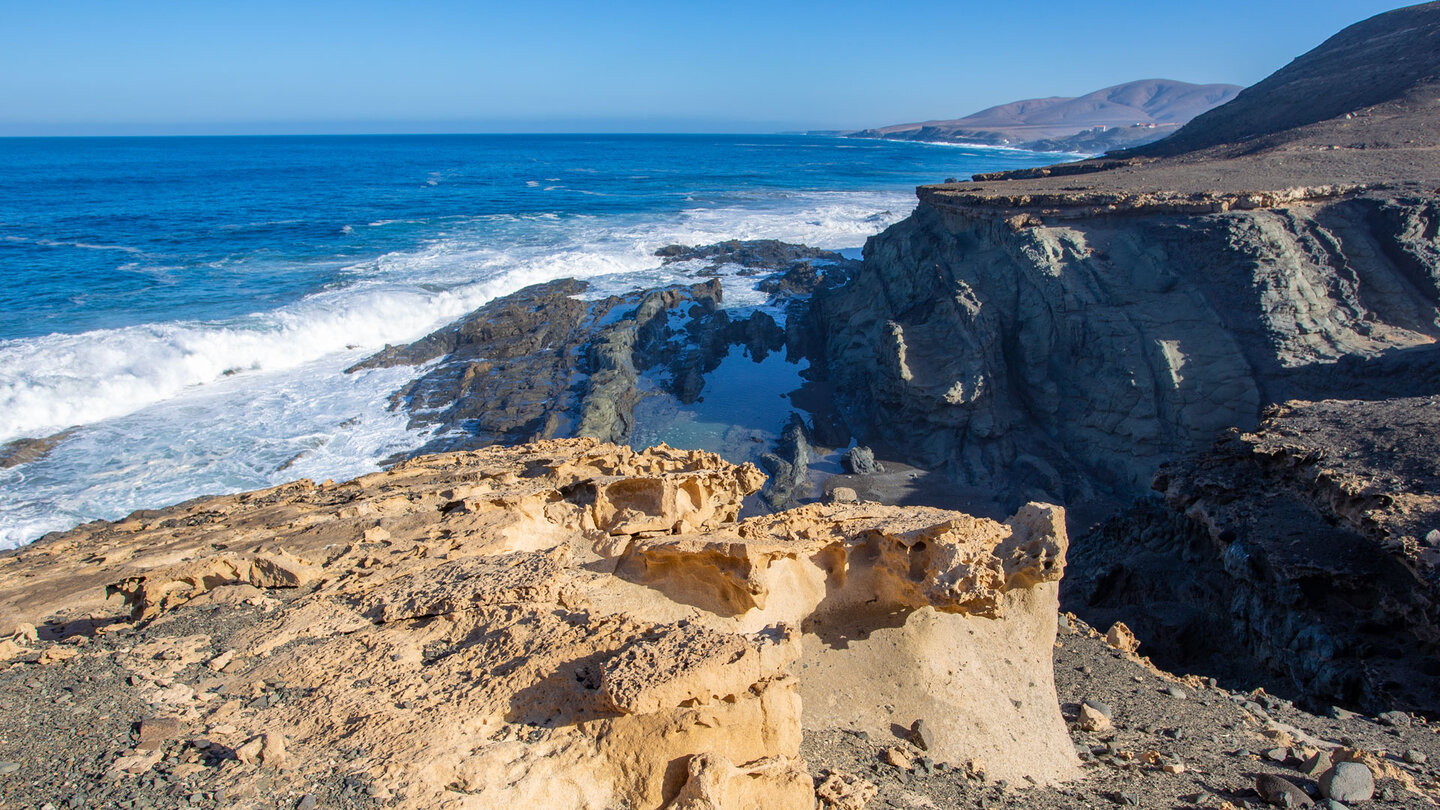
x=1218 y=356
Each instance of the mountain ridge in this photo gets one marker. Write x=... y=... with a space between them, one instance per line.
x=1126 y=114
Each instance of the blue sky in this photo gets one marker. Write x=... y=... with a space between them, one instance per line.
x=106 y=67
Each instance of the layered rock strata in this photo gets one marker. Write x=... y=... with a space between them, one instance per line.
x=1058 y=360
x=562 y=624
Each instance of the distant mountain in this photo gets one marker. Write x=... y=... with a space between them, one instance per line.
x=1125 y=115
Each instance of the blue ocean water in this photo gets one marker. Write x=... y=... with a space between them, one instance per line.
x=188 y=304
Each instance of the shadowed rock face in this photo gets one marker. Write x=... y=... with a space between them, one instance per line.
x=565 y=624
x=1306 y=546
x=1061 y=361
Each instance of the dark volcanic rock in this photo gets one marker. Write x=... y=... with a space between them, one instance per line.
x=1070 y=361
x=23 y=451
x=509 y=372
x=1297 y=549
x=758 y=254
x=860 y=460
x=788 y=467
x=541 y=363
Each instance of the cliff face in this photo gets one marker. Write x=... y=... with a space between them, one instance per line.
x=1311 y=544
x=1066 y=356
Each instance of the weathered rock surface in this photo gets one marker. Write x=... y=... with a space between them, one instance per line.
x=562 y=624
x=543 y=363
x=1299 y=547
x=1063 y=362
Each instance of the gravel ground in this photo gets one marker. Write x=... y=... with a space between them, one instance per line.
x=64 y=723
x=1222 y=739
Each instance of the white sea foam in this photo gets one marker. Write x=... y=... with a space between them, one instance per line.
x=174 y=410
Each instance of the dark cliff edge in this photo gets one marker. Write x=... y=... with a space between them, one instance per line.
x=1069 y=332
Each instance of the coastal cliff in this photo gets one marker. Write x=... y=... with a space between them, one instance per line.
x=1081 y=333
x=1058 y=351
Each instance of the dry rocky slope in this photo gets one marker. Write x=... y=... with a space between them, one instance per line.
x=565 y=624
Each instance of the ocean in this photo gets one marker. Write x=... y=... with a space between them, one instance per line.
x=185 y=306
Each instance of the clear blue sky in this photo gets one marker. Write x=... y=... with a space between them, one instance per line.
x=201 y=66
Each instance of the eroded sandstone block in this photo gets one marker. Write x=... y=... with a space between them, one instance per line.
x=576 y=625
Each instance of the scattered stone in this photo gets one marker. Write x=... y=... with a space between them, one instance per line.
x=1338 y=713
x=1396 y=719
x=1348 y=782
x=860 y=460
x=1103 y=708
x=841 y=791
x=898 y=757
x=1281 y=792
x=1093 y=720
x=1173 y=766
x=1331 y=804
x=7 y=768
x=1415 y=757
x=307 y=802
x=844 y=495
x=265 y=749
x=219 y=662
x=1432 y=537
x=1120 y=637
x=154 y=731
x=1280 y=755
x=1177 y=693
x=1316 y=764
x=922 y=735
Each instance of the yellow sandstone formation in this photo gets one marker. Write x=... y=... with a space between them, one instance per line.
x=567 y=624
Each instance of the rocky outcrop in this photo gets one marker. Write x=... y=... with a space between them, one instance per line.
x=1067 y=359
x=542 y=363
x=1308 y=549
x=563 y=624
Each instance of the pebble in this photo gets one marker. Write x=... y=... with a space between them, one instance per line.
x=922 y=735
x=307 y=802
x=1103 y=708
x=1177 y=693
x=7 y=768
x=1278 y=755
x=897 y=758
x=1433 y=537
x=1318 y=763
x=1281 y=792
x=1331 y=804
x=1396 y=719
x=1416 y=757
x=154 y=731
x=1348 y=782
